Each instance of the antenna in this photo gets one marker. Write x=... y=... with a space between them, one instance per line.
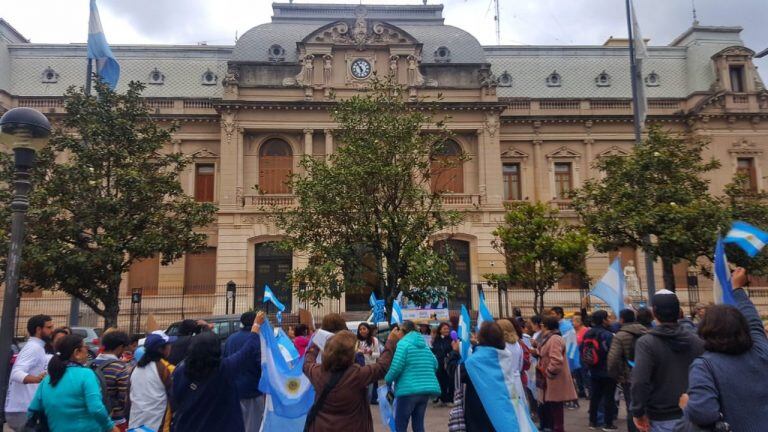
x=497 y=18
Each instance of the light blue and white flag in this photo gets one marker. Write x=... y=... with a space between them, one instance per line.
x=465 y=334
x=286 y=346
x=397 y=313
x=722 y=287
x=611 y=287
x=386 y=410
x=498 y=384
x=269 y=296
x=571 y=344
x=378 y=309
x=747 y=237
x=290 y=394
x=483 y=314
x=98 y=50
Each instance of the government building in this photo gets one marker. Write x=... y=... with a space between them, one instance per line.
x=531 y=120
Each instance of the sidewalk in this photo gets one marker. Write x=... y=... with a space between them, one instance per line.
x=437 y=419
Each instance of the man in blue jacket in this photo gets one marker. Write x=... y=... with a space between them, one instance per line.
x=251 y=399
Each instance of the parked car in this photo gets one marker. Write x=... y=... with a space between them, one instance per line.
x=223 y=326
x=92 y=338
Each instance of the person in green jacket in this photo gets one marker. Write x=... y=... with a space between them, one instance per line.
x=70 y=396
x=413 y=372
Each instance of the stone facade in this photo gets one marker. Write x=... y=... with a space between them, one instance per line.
x=532 y=119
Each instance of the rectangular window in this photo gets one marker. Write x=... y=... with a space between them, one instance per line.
x=200 y=272
x=737 y=78
x=680 y=271
x=144 y=274
x=746 y=167
x=204 y=181
x=563 y=180
x=512 y=186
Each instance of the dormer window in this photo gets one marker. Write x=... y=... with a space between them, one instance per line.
x=276 y=53
x=736 y=74
x=209 y=78
x=49 y=76
x=554 y=80
x=442 y=55
x=505 y=80
x=603 y=79
x=652 y=79
x=156 y=77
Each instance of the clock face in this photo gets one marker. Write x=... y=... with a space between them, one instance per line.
x=361 y=68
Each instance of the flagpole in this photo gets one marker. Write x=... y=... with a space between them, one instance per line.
x=88 y=77
x=649 y=261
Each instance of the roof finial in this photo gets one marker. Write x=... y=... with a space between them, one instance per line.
x=693 y=9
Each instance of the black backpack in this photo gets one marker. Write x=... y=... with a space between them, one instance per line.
x=98 y=368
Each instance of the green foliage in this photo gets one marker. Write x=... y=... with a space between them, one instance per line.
x=657 y=199
x=539 y=248
x=106 y=193
x=365 y=217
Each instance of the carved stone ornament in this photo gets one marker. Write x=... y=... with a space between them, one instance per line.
x=513 y=153
x=487 y=79
x=744 y=147
x=361 y=34
x=415 y=78
x=491 y=124
x=613 y=151
x=304 y=78
x=563 y=153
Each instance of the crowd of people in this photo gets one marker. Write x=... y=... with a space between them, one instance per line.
x=673 y=374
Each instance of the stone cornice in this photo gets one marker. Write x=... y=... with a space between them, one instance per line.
x=224 y=105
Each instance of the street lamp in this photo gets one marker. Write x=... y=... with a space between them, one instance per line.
x=25 y=131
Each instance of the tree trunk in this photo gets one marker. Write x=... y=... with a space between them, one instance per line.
x=669 y=273
x=111 y=306
x=538 y=301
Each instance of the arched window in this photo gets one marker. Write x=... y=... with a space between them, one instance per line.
x=448 y=169
x=275 y=167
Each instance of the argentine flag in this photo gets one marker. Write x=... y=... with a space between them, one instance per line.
x=747 y=237
x=483 y=314
x=289 y=393
x=378 y=309
x=722 y=288
x=269 y=296
x=286 y=346
x=464 y=334
x=496 y=382
x=571 y=344
x=397 y=313
x=610 y=288
x=98 y=50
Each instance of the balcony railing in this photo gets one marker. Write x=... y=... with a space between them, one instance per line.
x=740 y=99
x=562 y=205
x=283 y=200
x=460 y=200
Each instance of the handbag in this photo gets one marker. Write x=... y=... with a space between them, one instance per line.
x=456 y=420
x=685 y=425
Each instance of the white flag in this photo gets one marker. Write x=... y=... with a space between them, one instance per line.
x=641 y=53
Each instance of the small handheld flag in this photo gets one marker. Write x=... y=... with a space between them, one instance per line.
x=722 y=288
x=464 y=334
x=397 y=313
x=378 y=308
x=610 y=288
x=483 y=314
x=98 y=50
x=747 y=237
x=269 y=296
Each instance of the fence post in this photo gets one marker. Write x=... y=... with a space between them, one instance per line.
x=74 y=312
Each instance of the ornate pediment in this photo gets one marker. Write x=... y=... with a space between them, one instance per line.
x=359 y=33
x=744 y=147
x=733 y=51
x=513 y=153
x=204 y=154
x=613 y=151
x=563 y=153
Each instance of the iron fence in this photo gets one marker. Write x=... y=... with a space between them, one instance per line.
x=160 y=306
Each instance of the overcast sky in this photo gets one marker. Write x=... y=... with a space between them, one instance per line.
x=532 y=22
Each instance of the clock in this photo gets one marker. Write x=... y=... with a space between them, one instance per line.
x=360 y=68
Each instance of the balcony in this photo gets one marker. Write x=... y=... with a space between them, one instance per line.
x=563 y=205
x=282 y=200
x=461 y=200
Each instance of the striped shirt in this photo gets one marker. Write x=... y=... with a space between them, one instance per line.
x=117 y=376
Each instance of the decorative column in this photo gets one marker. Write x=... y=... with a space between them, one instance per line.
x=308 y=141
x=537 y=170
x=481 y=162
x=228 y=170
x=240 y=143
x=328 y=144
x=588 y=144
x=493 y=176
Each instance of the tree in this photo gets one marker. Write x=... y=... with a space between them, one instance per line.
x=106 y=194
x=656 y=199
x=367 y=215
x=539 y=248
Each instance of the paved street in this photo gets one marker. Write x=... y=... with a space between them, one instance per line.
x=575 y=421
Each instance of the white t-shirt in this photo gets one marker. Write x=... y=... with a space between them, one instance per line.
x=32 y=360
x=148 y=398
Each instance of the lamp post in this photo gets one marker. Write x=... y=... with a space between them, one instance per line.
x=26 y=131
